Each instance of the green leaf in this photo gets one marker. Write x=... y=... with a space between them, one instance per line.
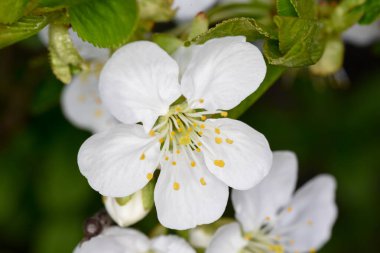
x=273 y=73
x=301 y=42
x=371 y=12
x=105 y=23
x=237 y=26
x=199 y=25
x=156 y=10
x=63 y=54
x=305 y=8
x=286 y=8
x=345 y=15
x=148 y=195
x=53 y=3
x=22 y=29
x=11 y=10
x=168 y=42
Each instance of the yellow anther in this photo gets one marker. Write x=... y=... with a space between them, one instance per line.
x=178 y=109
x=174 y=163
x=172 y=133
x=248 y=236
x=190 y=129
x=198 y=149
x=229 y=141
x=98 y=113
x=176 y=186
x=217 y=130
x=218 y=140
x=203 y=181
x=267 y=218
x=161 y=140
x=98 y=101
x=142 y=157
x=203 y=117
x=199 y=144
x=202 y=126
x=149 y=176
x=224 y=114
x=185 y=140
x=178 y=121
x=201 y=100
x=192 y=164
x=290 y=209
x=200 y=133
x=166 y=158
x=219 y=163
x=152 y=133
x=195 y=124
x=178 y=151
x=312 y=250
x=310 y=222
x=180 y=130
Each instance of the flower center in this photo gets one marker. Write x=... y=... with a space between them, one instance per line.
x=262 y=242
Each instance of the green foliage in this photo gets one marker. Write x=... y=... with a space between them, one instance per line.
x=345 y=15
x=371 y=11
x=11 y=10
x=156 y=10
x=148 y=195
x=63 y=54
x=300 y=42
x=105 y=23
x=305 y=8
x=286 y=8
x=53 y=3
x=22 y=29
x=168 y=42
x=248 y=27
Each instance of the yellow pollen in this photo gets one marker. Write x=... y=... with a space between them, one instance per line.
x=174 y=163
x=178 y=151
x=219 y=163
x=267 y=218
x=161 y=140
x=201 y=100
x=203 y=181
x=178 y=121
x=176 y=186
x=198 y=150
x=290 y=209
x=152 y=133
x=185 y=140
x=166 y=158
x=178 y=109
x=192 y=164
x=190 y=129
x=142 y=157
x=229 y=141
x=149 y=176
x=203 y=117
x=199 y=144
x=224 y=114
x=312 y=250
x=217 y=130
x=200 y=133
x=195 y=124
x=248 y=236
x=180 y=129
x=202 y=126
x=98 y=113
x=172 y=133
x=218 y=140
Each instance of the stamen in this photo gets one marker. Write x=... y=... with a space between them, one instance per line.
x=176 y=186
x=224 y=114
x=218 y=140
x=152 y=133
x=217 y=130
x=98 y=113
x=203 y=117
x=201 y=100
x=290 y=209
x=142 y=157
x=229 y=141
x=149 y=176
x=174 y=163
x=203 y=181
x=219 y=163
x=192 y=164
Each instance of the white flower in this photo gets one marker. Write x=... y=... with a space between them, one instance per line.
x=272 y=219
x=119 y=240
x=363 y=35
x=81 y=103
x=131 y=209
x=198 y=157
x=88 y=51
x=188 y=9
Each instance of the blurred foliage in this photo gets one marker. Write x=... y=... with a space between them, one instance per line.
x=44 y=199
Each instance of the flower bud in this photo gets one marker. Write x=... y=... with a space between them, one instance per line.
x=129 y=210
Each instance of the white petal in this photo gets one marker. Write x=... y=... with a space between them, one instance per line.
x=43 y=35
x=227 y=239
x=200 y=198
x=171 y=244
x=313 y=214
x=139 y=83
x=88 y=51
x=363 y=35
x=245 y=162
x=222 y=73
x=254 y=206
x=116 y=240
x=130 y=213
x=188 y=9
x=183 y=55
x=111 y=160
x=82 y=106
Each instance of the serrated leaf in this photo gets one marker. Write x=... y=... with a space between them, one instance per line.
x=248 y=27
x=11 y=10
x=63 y=54
x=371 y=12
x=53 y=3
x=105 y=23
x=301 y=42
x=305 y=8
x=22 y=29
x=285 y=8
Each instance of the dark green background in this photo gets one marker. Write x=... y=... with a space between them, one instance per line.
x=44 y=199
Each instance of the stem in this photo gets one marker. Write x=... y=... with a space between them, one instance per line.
x=273 y=73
